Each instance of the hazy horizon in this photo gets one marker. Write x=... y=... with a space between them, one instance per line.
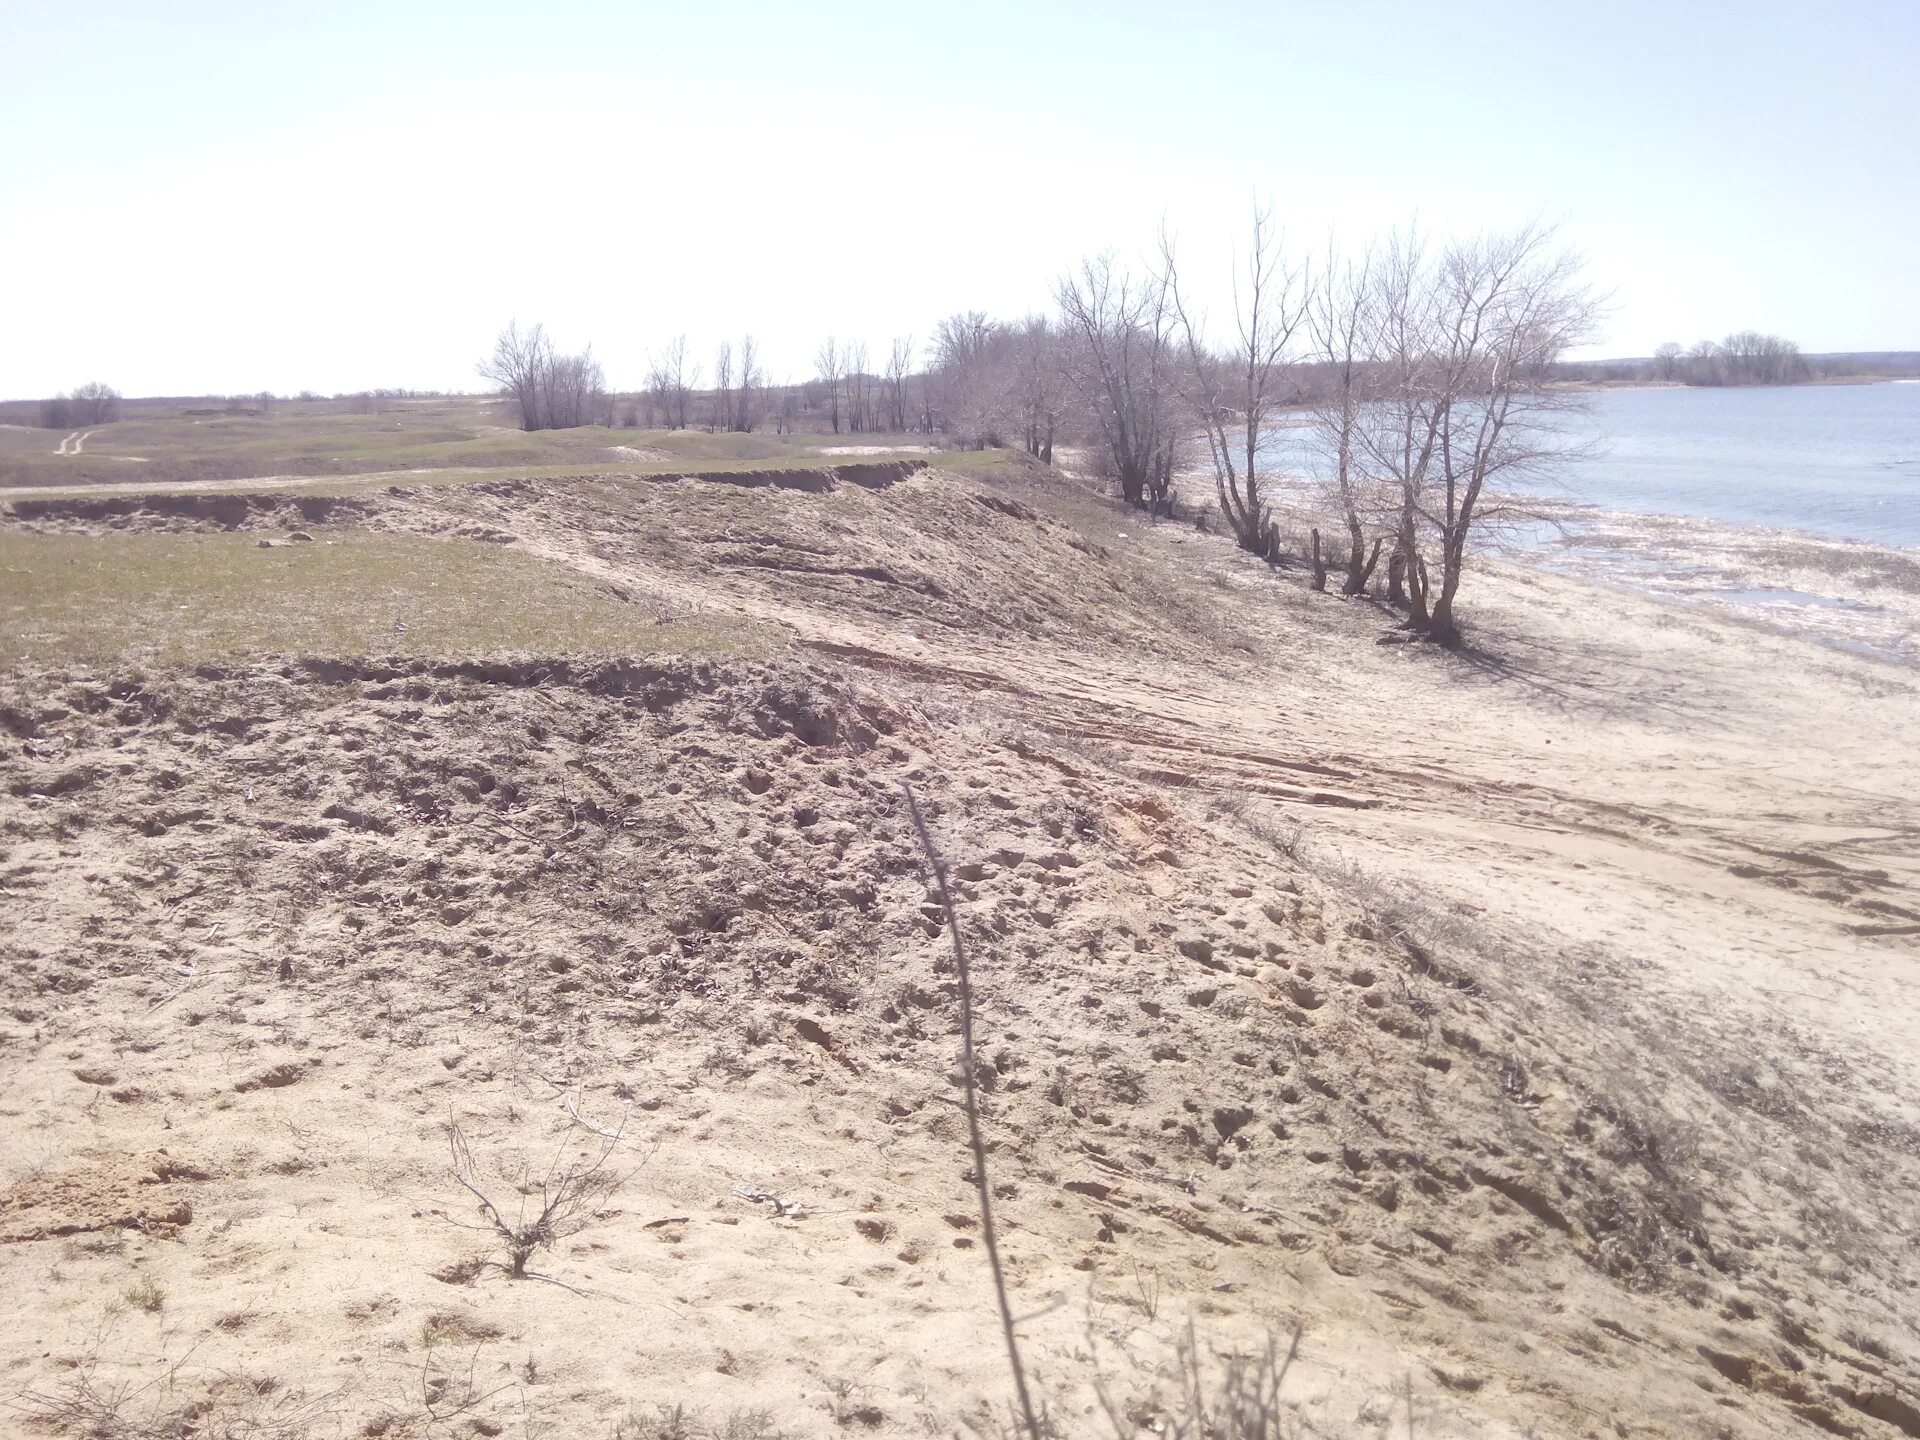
x=222 y=201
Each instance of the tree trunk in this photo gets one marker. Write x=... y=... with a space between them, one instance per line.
x=1359 y=568
x=1163 y=484
x=1442 y=628
x=1397 y=579
x=1319 y=562
x=1415 y=570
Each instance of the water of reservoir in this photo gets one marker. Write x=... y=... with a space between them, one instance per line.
x=1840 y=461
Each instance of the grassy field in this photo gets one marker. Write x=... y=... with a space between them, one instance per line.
x=185 y=599
x=160 y=442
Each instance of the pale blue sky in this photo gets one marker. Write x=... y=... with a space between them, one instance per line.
x=217 y=197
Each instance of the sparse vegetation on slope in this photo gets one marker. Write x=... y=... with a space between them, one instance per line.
x=1254 y=1051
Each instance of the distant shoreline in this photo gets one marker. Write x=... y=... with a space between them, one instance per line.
x=1812 y=383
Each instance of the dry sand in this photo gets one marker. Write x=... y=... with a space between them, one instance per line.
x=879 y=450
x=1531 y=1028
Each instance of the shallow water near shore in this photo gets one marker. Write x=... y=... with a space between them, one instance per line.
x=1796 y=506
x=1860 y=597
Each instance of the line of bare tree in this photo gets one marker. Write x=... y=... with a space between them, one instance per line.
x=554 y=391
x=1406 y=393
x=1744 y=358
x=737 y=387
x=848 y=394
x=1403 y=394
x=89 y=404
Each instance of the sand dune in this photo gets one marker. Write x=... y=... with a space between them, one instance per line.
x=1531 y=1028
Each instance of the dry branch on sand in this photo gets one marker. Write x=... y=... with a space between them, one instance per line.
x=171 y=1400
x=553 y=1203
x=985 y=1190
x=1239 y=1402
x=1237 y=1399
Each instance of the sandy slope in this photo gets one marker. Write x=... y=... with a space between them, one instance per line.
x=1533 y=1028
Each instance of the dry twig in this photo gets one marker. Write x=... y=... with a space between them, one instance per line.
x=974 y=1139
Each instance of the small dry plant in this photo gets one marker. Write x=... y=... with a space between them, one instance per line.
x=102 y=1401
x=1236 y=1397
x=676 y=1422
x=448 y=1388
x=548 y=1203
x=145 y=1294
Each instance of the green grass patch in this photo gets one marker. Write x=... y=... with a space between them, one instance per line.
x=183 y=599
x=985 y=464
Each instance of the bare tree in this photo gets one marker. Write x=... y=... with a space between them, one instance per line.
x=899 y=362
x=659 y=394
x=553 y=391
x=969 y=378
x=929 y=407
x=1040 y=384
x=97 y=404
x=1467 y=339
x=573 y=390
x=1234 y=393
x=746 y=403
x=516 y=366
x=672 y=383
x=1399 y=435
x=1703 y=365
x=1340 y=318
x=722 y=416
x=859 y=385
x=89 y=404
x=1748 y=358
x=1667 y=360
x=1122 y=362
x=831 y=365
